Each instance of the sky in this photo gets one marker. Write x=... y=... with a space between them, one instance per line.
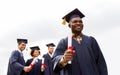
x=39 y=21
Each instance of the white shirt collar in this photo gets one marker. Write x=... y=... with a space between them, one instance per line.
x=50 y=54
x=20 y=52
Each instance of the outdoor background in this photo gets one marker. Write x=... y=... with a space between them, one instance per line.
x=39 y=21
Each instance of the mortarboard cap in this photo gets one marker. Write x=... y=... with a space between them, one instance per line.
x=35 y=48
x=72 y=14
x=50 y=45
x=22 y=40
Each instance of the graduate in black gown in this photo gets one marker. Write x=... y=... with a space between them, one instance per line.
x=48 y=59
x=36 y=69
x=86 y=57
x=16 y=64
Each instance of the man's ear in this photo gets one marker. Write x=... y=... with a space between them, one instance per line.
x=69 y=26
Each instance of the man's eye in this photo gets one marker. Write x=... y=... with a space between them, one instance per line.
x=74 y=21
x=81 y=21
x=77 y=22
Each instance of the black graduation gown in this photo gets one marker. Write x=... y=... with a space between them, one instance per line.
x=36 y=70
x=48 y=60
x=16 y=63
x=88 y=58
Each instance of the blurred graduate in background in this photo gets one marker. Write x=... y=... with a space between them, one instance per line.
x=48 y=59
x=36 y=68
x=16 y=64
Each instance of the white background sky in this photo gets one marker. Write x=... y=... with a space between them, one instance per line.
x=40 y=22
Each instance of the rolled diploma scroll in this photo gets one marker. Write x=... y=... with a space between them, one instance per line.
x=33 y=62
x=42 y=60
x=70 y=44
x=43 y=64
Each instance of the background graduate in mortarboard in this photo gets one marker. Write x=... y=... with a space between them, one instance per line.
x=16 y=60
x=36 y=69
x=88 y=58
x=48 y=59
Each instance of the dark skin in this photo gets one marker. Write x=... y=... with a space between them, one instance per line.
x=76 y=26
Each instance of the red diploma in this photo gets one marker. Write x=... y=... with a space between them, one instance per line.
x=33 y=62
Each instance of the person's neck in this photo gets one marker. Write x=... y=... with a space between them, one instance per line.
x=76 y=35
x=19 y=49
x=50 y=53
x=34 y=57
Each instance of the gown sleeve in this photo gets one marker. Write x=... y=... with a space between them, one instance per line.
x=14 y=61
x=27 y=63
x=100 y=61
x=59 y=52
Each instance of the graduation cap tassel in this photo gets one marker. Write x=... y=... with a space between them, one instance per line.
x=64 y=21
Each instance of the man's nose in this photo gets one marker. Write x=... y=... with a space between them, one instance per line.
x=78 y=22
